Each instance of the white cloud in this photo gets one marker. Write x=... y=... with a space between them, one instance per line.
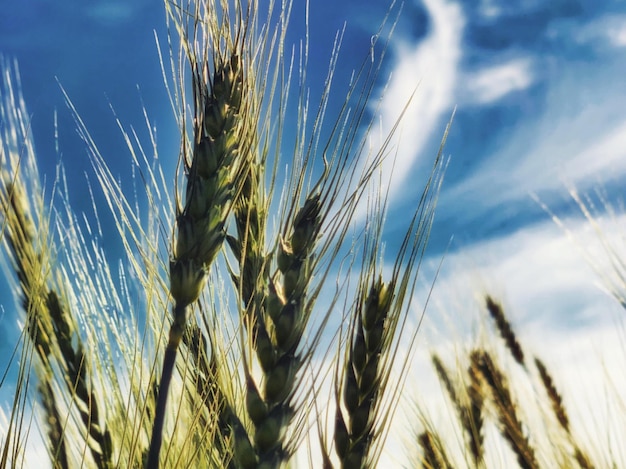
x=431 y=67
x=489 y=9
x=609 y=29
x=603 y=158
x=490 y=84
x=578 y=139
x=616 y=33
x=539 y=270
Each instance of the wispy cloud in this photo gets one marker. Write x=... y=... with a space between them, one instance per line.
x=112 y=12
x=544 y=167
x=578 y=137
x=607 y=29
x=430 y=68
x=492 y=83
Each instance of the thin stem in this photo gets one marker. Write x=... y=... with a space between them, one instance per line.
x=176 y=333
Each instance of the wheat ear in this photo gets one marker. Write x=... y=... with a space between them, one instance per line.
x=363 y=378
x=444 y=378
x=376 y=326
x=560 y=412
x=504 y=328
x=553 y=394
x=276 y=334
x=52 y=328
x=214 y=175
x=51 y=325
x=511 y=426
x=468 y=408
x=475 y=410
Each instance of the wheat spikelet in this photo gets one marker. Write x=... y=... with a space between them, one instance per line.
x=434 y=455
x=474 y=419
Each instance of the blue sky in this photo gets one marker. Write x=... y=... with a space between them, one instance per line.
x=540 y=107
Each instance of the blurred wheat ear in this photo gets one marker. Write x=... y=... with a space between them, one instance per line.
x=487 y=389
x=62 y=362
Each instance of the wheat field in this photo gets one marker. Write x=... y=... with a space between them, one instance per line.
x=256 y=318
